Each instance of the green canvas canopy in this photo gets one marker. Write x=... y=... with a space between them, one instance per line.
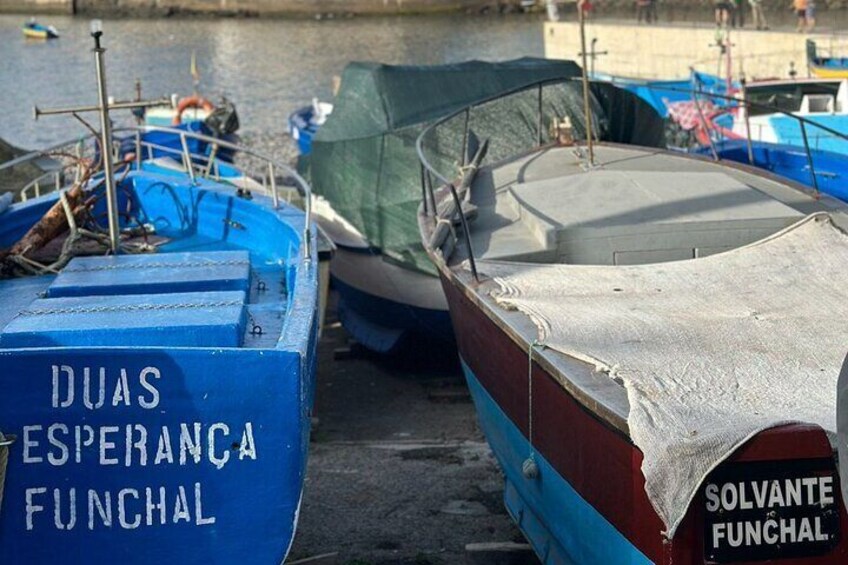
x=364 y=159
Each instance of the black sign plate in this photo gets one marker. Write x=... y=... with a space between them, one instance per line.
x=769 y=509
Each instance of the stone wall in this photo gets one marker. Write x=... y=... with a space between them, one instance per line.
x=37 y=6
x=668 y=51
x=251 y=7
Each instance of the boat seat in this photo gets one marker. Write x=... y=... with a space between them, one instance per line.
x=640 y=217
x=196 y=319
x=153 y=274
x=196 y=299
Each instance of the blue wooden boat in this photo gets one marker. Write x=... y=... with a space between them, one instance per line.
x=305 y=121
x=35 y=30
x=156 y=401
x=791 y=162
x=660 y=93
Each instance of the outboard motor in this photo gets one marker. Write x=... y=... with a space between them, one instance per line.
x=223 y=120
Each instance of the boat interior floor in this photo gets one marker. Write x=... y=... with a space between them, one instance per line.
x=634 y=206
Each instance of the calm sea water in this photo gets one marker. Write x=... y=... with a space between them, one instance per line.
x=267 y=67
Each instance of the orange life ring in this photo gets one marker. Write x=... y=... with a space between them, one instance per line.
x=191 y=102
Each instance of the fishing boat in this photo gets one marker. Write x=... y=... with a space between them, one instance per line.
x=362 y=166
x=772 y=108
x=305 y=121
x=35 y=30
x=652 y=341
x=825 y=67
x=660 y=93
x=157 y=355
x=819 y=170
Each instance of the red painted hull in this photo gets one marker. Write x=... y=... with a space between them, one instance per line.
x=599 y=461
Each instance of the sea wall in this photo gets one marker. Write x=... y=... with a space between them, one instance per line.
x=37 y=6
x=669 y=51
x=292 y=8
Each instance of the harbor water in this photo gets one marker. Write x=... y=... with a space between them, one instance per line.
x=267 y=67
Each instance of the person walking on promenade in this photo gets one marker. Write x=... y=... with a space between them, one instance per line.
x=810 y=14
x=800 y=8
x=758 y=14
x=722 y=12
x=643 y=10
x=652 y=10
x=737 y=13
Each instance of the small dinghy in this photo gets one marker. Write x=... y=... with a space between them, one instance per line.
x=652 y=341
x=157 y=359
x=825 y=67
x=35 y=30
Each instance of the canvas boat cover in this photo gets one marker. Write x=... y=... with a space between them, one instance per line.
x=711 y=351
x=364 y=160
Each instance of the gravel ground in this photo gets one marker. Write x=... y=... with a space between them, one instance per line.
x=399 y=472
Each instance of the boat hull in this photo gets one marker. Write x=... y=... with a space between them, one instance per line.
x=189 y=453
x=829 y=72
x=382 y=304
x=588 y=504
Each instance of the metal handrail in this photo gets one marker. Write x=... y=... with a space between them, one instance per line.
x=189 y=159
x=428 y=169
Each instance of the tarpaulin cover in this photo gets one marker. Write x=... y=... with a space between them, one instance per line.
x=711 y=351
x=364 y=159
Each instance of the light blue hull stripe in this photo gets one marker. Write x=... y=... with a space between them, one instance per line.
x=561 y=526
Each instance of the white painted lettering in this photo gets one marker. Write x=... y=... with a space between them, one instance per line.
x=198 y=508
x=189 y=444
x=164 y=451
x=31 y=443
x=140 y=444
x=122 y=509
x=86 y=389
x=63 y=449
x=72 y=509
x=219 y=462
x=32 y=508
x=122 y=390
x=104 y=508
x=153 y=402
x=106 y=445
x=58 y=402
x=247 y=448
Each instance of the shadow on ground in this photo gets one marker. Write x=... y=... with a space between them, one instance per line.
x=399 y=472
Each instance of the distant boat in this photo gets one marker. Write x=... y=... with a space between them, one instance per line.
x=825 y=67
x=649 y=339
x=304 y=122
x=660 y=93
x=35 y=30
x=157 y=361
x=791 y=162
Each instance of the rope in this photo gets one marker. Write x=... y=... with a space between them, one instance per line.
x=530 y=469
x=128 y=266
x=130 y=308
x=5 y=442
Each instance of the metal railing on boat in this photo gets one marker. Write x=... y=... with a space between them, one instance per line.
x=433 y=140
x=256 y=166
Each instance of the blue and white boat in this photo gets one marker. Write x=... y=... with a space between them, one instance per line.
x=791 y=162
x=775 y=103
x=157 y=362
x=34 y=30
x=305 y=121
x=660 y=93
